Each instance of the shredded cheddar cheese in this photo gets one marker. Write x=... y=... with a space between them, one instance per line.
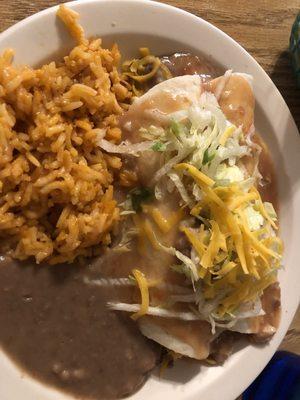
x=199 y=176
x=243 y=199
x=195 y=241
x=232 y=257
x=237 y=239
x=226 y=268
x=213 y=247
x=143 y=286
x=236 y=251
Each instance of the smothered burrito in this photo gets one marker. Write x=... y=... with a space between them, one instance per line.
x=198 y=243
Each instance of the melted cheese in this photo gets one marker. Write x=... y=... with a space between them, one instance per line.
x=142 y=248
x=165 y=224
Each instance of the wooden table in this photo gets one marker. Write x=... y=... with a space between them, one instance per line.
x=262 y=27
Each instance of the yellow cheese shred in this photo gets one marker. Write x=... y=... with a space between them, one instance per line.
x=199 y=177
x=212 y=196
x=208 y=257
x=162 y=222
x=262 y=209
x=226 y=268
x=238 y=240
x=195 y=211
x=195 y=241
x=249 y=255
x=259 y=246
x=247 y=291
x=144 y=290
x=202 y=272
x=226 y=135
x=238 y=201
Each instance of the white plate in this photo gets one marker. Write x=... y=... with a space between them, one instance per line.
x=165 y=29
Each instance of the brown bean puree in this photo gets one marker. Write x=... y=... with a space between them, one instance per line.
x=60 y=330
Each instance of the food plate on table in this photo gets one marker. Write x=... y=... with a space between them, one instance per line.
x=144 y=178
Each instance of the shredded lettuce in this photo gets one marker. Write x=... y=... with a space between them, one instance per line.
x=195 y=135
x=159 y=146
x=181 y=269
x=270 y=210
x=156 y=311
x=176 y=128
x=170 y=164
x=181 y=188
x=158 y=192
x=207 y=158
x=105 y=282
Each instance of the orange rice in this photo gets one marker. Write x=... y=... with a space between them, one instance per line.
x=56 y=193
